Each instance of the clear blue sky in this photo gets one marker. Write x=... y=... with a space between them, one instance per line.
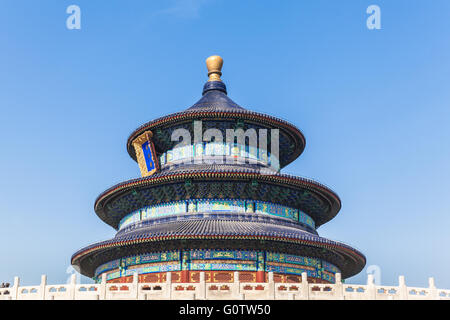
x=373 y=105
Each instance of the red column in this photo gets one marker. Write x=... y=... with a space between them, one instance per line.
x=185 y=276
x=260 y=273
x=260 y=276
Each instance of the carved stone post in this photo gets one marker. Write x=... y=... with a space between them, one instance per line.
x=432 y=288
x=102 y=291
x=42 y=287
x=202 y=294
x=73 y=288
x=237 y=287
x=403 y=291
x=305 y=286
x=338 y=287
x=169 y=285
x=15 y=288
x=271 y=287
x=135 y=286
x=371 y=289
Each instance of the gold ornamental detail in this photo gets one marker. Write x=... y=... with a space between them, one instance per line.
x=145 y=154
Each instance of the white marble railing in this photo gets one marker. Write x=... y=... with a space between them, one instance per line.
x=217 y=291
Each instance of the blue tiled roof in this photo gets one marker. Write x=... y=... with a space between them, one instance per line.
x=154 y=237
x=215 y=99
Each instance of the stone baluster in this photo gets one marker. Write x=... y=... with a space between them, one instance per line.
x=202 y=293
x=15 y=288
x=271 y=287
x=72 y=286
x=403 y=290
x=42 y=287
x=305 y=286
x=371 y=293
x=338 y=287
x=102 y=291
x=237 y=287
x=168 y=285
x=134 y=290
x=202 y=285
x=433 y=290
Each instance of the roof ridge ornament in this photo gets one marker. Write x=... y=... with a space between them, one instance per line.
x=214 y=65
x=214 y=83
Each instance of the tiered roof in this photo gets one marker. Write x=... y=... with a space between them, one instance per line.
x=218 y=181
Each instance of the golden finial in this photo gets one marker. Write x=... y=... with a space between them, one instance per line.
x=214 y=65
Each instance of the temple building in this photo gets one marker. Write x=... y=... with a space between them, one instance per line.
x=220 y=206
